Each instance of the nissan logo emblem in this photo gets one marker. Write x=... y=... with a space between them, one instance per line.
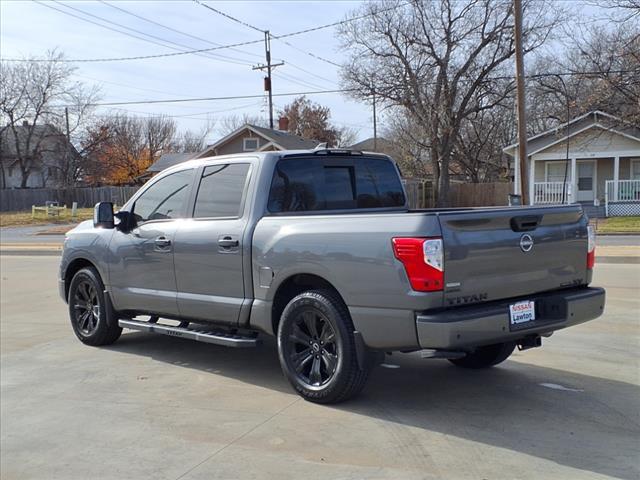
x=526 y=243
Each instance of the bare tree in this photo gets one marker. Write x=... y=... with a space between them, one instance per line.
x=600 y=71
x=436 y=60
x=33 y=97
x=478 y=154
x=191 y=141
x=233 y=122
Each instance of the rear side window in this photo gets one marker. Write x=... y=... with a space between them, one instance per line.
x=221 y=190
x=312 y=184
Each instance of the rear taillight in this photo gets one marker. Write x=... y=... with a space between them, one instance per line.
x=423 y=260
x=591 y=247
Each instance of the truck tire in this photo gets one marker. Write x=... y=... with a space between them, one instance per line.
x=485 y=357
x=317 y=348
x=92 y=318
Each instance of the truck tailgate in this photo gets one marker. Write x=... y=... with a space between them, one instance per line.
x=492 y=254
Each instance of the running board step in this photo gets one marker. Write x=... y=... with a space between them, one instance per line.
x=208 y=336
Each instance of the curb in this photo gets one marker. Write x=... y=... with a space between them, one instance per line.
x=618 y=234
x=30 y=253
x=611 y=259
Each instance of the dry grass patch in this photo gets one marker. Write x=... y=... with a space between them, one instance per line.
x=25 y=219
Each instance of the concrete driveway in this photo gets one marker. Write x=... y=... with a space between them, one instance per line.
x=154 y=407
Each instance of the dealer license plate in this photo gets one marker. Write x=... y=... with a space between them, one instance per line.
x=522 y=312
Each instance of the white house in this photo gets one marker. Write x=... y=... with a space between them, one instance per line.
x=600 y=168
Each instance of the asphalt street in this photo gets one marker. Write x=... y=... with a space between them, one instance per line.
x=154 y=407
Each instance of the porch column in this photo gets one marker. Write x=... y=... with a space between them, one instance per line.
x=574 y=180
x=532 y=176
x=616 y=176
x=516 y=174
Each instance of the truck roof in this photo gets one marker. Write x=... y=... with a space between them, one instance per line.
x=278 y=154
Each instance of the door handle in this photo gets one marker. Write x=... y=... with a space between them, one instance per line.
x=228 y=242
x=162 y=242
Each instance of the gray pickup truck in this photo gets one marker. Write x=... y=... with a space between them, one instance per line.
x=320 y=249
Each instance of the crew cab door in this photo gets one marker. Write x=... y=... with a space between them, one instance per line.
x=209 y=247
x=141 y=271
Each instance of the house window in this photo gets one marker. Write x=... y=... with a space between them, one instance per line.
x=250 y=144
x=635 y=169
x=556 y=171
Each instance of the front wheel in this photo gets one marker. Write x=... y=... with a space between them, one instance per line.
x=485 y=357
x=317 y=348
x=88 y=309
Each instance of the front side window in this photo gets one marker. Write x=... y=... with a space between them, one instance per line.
x=165 y=199
x=221 y=191
x=312 y=184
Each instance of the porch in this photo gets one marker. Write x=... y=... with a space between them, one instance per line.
x=611 y=183
x=593 y=160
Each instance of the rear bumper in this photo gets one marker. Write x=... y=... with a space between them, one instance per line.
x=485 y=324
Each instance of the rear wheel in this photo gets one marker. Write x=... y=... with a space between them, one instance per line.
x=317 y=348
x=485 y=357
x=91 y=317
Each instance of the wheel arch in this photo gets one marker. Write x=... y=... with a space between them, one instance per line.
x=294 y=285
x=74 y=267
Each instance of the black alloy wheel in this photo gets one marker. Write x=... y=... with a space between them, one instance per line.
x=312 y=348
x=86 y=307
x=92 y=317
x=317 y=349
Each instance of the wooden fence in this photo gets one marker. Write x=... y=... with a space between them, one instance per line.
x=421 y=195
x=479 y=194
x=12 y=200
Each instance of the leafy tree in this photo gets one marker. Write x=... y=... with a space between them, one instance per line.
x=128 y=145
x=313 y=121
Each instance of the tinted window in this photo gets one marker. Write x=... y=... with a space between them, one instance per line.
x=221 y=189
x=165 y=198
x=293 y=188
x=378 y=184
x=308 y=184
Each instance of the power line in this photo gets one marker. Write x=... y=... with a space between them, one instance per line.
x=206 y=99
x=253 y=27
x=344 y=90
x=139 y=57
x=195 y=37
x=166 y=43
x=313 y=55
x=219 y=12
x=199 y=50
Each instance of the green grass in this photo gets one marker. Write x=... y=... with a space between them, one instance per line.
x=24 y=219
x=619 y=225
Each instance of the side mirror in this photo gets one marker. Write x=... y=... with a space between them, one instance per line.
x=103 y=215
x=126 y=220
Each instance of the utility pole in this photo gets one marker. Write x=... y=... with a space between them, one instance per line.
x=375 y=124
x=66 y=118
x=268 y=67
x=522 y=126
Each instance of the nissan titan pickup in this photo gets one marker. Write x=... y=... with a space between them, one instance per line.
x=321 y=250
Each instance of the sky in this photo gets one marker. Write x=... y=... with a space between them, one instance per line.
x=30 y=28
